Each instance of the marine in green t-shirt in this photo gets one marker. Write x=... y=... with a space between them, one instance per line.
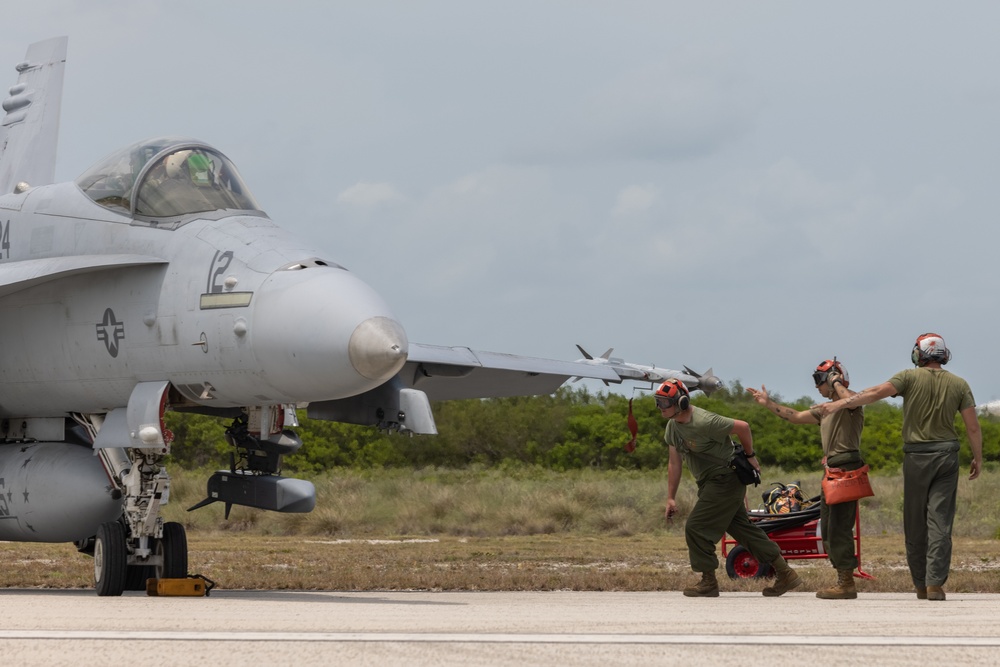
x=841 y=437
x=932 y=397
x=703 y=440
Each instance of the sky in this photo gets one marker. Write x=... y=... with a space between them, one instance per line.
x=752 y=187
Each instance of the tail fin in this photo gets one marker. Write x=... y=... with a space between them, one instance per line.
x=29 y=132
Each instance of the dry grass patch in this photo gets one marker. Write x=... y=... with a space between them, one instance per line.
x=537 y=562
x=526 y=529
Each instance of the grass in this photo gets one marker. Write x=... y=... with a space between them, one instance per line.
x=485 y=529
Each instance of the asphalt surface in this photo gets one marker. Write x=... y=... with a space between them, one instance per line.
x=42 y=627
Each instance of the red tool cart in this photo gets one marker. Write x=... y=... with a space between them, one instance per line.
x=797 y=534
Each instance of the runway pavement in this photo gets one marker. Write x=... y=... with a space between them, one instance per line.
x=530 y=628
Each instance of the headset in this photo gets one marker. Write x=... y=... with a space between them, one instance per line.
x=930 y=347
x=827 y=366
x=673 y=393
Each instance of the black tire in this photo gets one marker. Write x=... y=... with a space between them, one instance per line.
x=173 y=548
x=136 y=576
x=110 y=559
x=741 y=564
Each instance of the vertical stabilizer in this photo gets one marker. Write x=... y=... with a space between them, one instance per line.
x=29 y=131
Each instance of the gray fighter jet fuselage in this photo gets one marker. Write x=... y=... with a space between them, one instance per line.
x=155 y=282
x=227 y=307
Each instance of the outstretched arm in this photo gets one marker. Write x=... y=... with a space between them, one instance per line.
x=975 y=435
x=863 y=397
x=783 y=411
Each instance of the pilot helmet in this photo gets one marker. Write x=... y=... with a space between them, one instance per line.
x=175 y=162
x=199 y=167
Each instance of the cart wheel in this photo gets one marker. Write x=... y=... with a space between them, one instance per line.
x=741 y=564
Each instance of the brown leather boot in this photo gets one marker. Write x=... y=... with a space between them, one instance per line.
x=921 y=592
x=708 y=587
x=843 y=590
x=785 y=580
x=935 y=593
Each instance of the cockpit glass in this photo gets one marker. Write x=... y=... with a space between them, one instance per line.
x=149 y=179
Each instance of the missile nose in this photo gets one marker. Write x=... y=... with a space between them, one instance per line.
x=378 y=348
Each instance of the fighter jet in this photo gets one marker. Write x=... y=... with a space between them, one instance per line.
x=156 y=282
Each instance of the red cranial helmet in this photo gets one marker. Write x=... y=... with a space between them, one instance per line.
x=823 y=370
x=672 y=393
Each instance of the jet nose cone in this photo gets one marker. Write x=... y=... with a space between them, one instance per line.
x=378 y=348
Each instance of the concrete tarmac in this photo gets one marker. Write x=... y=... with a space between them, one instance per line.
x=49 y=627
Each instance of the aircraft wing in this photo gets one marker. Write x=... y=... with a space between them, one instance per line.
x=30 y=129
x=446 y=373
x=16 y=276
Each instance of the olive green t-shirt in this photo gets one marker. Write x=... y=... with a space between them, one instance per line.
x=841 y=431
x=931 y=399
x=704 y=442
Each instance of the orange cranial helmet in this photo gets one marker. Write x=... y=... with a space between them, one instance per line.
x=823 y=370
x=673 y=393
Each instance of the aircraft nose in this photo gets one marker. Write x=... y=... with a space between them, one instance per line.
x=378 y=348
x=322 y=334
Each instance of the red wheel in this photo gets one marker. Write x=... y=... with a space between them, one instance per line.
x=741 y=564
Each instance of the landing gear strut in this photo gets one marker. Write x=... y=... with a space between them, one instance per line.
x=132 y=444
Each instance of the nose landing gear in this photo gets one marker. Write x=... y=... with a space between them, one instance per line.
x=114 y=574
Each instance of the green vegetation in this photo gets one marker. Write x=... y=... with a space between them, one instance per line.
x=529 y=500
x=570 y=430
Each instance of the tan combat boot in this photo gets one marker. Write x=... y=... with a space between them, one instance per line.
x=785 y=580
x=935 y=593
x=708 y=587
x=843 y=590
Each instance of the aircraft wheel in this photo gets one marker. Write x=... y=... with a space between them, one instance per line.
x=173 y=548
x=741 y=564
x=110 y=559
x=136 y=576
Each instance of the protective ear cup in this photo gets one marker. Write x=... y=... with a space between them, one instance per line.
x=683 y=396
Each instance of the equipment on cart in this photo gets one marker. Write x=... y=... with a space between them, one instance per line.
x=796 y=532
x=784 y=498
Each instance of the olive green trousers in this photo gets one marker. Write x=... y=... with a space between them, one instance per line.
x=930 y=490
x=718 y=510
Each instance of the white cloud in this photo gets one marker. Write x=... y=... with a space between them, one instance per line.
x=635 y=199
x=370 y=195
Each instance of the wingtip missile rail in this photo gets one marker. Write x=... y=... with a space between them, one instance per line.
x=707 y=382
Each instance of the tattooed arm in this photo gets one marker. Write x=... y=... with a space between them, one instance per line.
x=788 y=414
x=863 y=397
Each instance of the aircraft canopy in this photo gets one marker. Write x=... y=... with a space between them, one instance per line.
x=167 y=177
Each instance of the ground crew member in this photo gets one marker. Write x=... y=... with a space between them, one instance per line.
x=841 y=437
x=931 y=398
x=702 y=440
